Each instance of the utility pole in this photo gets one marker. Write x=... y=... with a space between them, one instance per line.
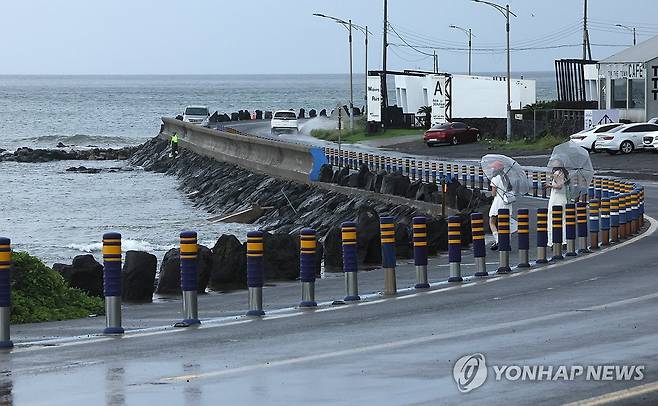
x=351 y=85
x=509 y=79
x=587 y=50
x=365 y=95
x=384 y=89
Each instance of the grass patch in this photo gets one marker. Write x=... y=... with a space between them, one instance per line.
x=539 y=144
x=40 y=294
x=361 y=135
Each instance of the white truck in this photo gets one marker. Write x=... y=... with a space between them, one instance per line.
x=196 y=115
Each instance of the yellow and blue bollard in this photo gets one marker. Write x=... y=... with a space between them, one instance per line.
x=471 y=172
x=570 y=223
x=112 y=282
x=480 y=179
x=605 y=220
x=635 y=211
x=434 y=173
x=441 y=173
x=597 y=188
x=542 y=235
x=407 y=168
x=188 y=277
x=479 y=249
x=387 y=232
x=464 y=176
x=524 y=237
x=308 y=246
x=594 y=224
x=255 y=272
x=581 y=220
x=542 y=180
x=535 y=184
x=556 y=218
x=504 y=245
x=427 y=171
x=5 y=293
x=614 y=218
x=419 y=227
x=350 y=261
x=454 y=249
x=622 y=216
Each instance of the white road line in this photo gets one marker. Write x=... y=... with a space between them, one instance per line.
x=617 y=396
x=403 y=343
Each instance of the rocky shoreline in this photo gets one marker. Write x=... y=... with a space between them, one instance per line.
x=25 y=154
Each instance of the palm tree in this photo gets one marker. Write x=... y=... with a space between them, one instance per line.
x=427 y=111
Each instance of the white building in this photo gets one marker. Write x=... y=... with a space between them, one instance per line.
x=628 y=81
x=470 y=96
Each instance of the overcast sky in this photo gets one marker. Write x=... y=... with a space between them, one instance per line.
x=282 y=36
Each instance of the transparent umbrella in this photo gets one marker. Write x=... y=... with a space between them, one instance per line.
x=577 y=164
x=512 y=175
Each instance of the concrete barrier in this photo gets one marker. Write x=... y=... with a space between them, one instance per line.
x=288 y=161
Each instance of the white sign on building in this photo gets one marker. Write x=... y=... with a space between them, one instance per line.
x=374 y=98
x=597 y=117
x=438 y=90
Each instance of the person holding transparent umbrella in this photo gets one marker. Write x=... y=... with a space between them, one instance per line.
x=508 y=180
x=572 y=172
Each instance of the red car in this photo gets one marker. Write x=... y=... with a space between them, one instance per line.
x=451 y=133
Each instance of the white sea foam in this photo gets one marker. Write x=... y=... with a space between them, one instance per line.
x=126 y=245
x=318 y=123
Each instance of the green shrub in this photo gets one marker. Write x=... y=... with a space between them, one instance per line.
x=40 y=294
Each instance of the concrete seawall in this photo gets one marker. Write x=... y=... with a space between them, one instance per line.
x=287 y=161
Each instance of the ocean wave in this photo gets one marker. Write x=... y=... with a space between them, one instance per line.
x=81 y=140
x=126 y=245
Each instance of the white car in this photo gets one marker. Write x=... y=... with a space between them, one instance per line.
x=284 y=121
x=196 y=115
x=653 y=121
x=626 y=138
x=587 y=138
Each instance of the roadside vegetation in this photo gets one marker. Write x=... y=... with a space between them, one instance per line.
x=40 y=294
x=546 y=142
x=361 y=135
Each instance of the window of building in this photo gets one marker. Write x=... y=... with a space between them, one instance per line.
x=636 y=91
x=619 y=96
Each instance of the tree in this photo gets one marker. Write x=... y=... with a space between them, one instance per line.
x=427 y=111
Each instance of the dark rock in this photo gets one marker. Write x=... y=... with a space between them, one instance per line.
x=356 y=111
x=412 y=190
x=312 y=113
x=224 y=118
x=281 y=257
x=323 y=113
x=426 y=192
x=368 y=241
x=61 y=145
x=395 y=184
x=461 y=198
x=378 y=181
x=333 y=252
x=179 y=117
x=83 y=169
x=371 y=182
x=235 y=116
x=326 y=173
x=403 y=241
x=259 y=114
x=362 y=175
x=268 y=115
x=204 y=268
x=302 y=113
x=139 y=276
x=437 y=235
x=353 y=180
x=214 y=118
x=340 y=175
x=229 y=264
x=169 y=278
x=85 y=273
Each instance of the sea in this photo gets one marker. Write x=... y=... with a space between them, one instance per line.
x=56 y=215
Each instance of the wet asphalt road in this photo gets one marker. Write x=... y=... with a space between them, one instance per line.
x=594 y=310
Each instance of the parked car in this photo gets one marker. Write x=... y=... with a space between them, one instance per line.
x=451 y=133
x=653 y=120
x=196 y=115
x=284 y=121
x=626 y=138
x=586 y=138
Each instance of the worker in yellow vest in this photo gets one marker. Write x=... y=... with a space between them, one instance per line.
x=174 y=145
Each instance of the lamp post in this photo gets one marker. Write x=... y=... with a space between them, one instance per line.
x=631 y=29
x=470 y=35
x=349 y=26
x=505 y=11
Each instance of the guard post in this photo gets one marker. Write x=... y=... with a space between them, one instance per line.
x=581 y=215
x=594 y=224
x=112 y=282
x=255 y=272
x=570 y=229
x=535 y=184
x=614 y=218
x=542 y=235
x=188 y=277
x=556 y=219
x=387 y=232
x=307 y=260
x=454 y=249
x=524 y=237
x=419 y=225
x=5 y=293
x=504 y=245
x=605 y=220
x=350 y=261
x=479 y=249
x=543 y=184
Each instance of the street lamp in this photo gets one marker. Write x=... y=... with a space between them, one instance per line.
x=505 y=11
x=470 y=34
x=348 y=26
x=631 y=29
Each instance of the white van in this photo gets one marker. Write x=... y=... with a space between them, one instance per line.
x=284 y=121
x=196 y=115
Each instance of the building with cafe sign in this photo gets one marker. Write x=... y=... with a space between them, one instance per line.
x=628 y=81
